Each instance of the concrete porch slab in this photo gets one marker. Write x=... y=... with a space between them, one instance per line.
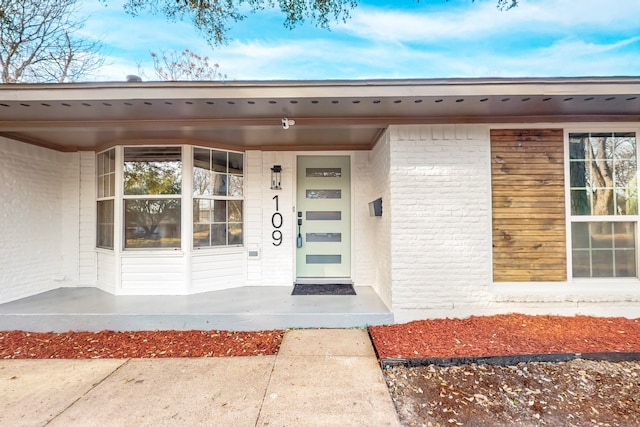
x=239 y=309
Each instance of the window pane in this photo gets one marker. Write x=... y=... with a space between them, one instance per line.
x=105 y=172
x=152 y=223
x=101 y=192
x=235 y=185
x=220 y=184
x=625 y=263
x=602 y=264
x=201 y=182
x=201 y=235
x=580 y=235
x=236 y=163
x=580 y=202
x=603 y=170
x=235 y=210
x=581 y=263
x=202 y=213
x=218 y=234
x=219 y=161
x=235 y=234
x=201 y=171
x=152 y=170
x=105 y=224
x=624 y=235
x=601 y=235
x=220 y=211
x=111 y=182
x=202 y=158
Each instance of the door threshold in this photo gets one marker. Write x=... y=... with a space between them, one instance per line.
x=323 y=281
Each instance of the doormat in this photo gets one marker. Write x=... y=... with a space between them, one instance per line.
x=323 y=289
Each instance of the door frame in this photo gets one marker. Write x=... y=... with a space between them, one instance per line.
x=294 y=230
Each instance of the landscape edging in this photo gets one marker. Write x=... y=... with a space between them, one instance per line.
x=508 y=360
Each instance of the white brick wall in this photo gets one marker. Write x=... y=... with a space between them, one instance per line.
x=380 y=227
x=69 y=213
x=440 y=217
x=34 y=182
x=363 y=240
x=86 y=219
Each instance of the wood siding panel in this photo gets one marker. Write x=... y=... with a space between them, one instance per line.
x=106 y=270
x=142 y=273
x=218 y=270
x=528 y=205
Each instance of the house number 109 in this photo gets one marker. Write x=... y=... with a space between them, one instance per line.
x=276 y=222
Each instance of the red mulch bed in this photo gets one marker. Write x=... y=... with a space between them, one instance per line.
x=506 y=335
x=109 y=344
x=474 y=336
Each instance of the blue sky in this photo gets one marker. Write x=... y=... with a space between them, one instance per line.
x=393 y=39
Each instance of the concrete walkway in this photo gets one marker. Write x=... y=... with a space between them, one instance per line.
x=321 y=377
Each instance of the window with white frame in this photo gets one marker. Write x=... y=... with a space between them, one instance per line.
x=152 y=197
x=106 y=180
x=604 y=204
x=217 y=198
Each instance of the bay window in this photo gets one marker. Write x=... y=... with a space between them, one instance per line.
x=149 y=195
x=604 y=204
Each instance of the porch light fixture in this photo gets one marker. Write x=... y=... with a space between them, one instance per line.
x=276 y=179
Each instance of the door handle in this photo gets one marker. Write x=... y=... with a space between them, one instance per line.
x=299 y=239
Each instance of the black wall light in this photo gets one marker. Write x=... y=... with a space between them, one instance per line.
x=276 y=177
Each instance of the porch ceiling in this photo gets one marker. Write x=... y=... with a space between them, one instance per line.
x=328 y=114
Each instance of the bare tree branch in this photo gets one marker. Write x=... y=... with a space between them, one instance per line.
x=186 y=65
x=37 y=42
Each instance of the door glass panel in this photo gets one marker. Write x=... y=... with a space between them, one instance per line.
x=324 y=237
x=324 y=215
x=324 y=172
x=324 y=194
x=324 y=259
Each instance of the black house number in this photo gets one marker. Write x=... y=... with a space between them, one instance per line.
x=276 y=222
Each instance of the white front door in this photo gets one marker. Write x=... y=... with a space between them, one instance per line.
x=324 y=215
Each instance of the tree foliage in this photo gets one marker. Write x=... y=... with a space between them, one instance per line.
x=37 y=42
x=214 y=17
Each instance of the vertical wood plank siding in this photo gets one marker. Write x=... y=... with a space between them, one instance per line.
x=527 y=174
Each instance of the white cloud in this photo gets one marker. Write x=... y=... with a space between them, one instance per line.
x=482 y=19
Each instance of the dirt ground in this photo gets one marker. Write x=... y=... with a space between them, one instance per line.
x=575 y=393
